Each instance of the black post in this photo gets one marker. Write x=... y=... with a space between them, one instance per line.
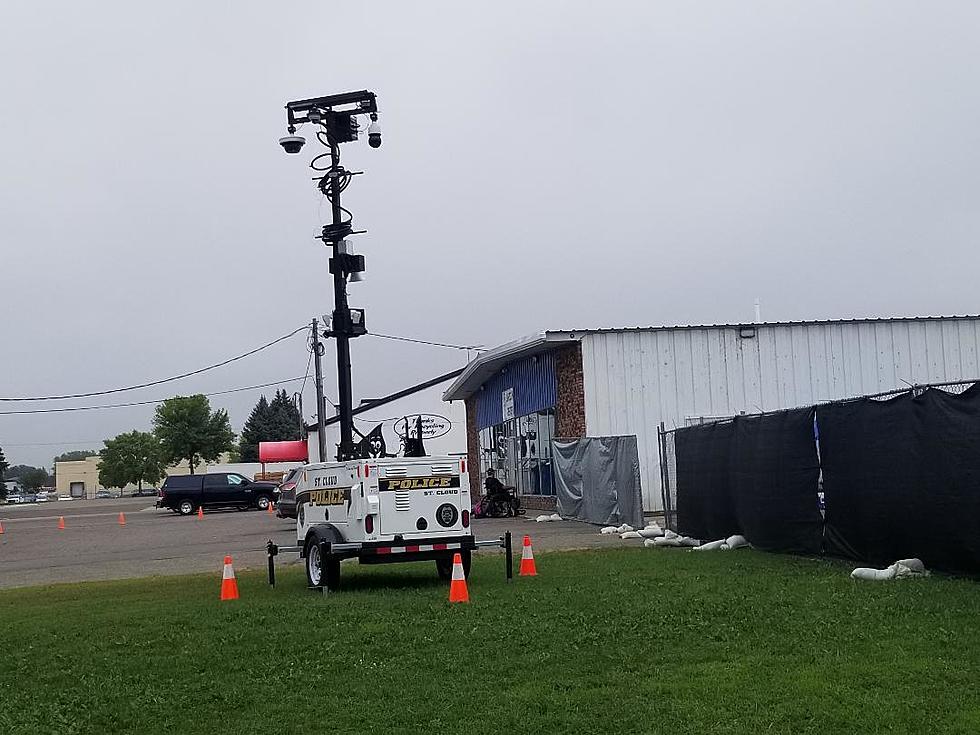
x=341 y=321
x=509 y=554
x=321 y=428
x=272 y=549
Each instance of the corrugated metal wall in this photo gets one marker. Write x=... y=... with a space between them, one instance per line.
x=636 y=379
x=535 y=389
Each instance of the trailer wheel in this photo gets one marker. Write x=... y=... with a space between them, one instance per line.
x=445 y=566
x=319 y=570
x=185 y=508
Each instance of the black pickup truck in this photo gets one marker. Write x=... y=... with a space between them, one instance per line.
x=184 y=494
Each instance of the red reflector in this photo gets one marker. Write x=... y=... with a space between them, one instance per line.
x=411 y=549
x=462 y=465
x=383 y=550
x=369 y=524
x=466 y=519
x=367 y=470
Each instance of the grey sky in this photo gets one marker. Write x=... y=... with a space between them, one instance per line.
x=545 y=165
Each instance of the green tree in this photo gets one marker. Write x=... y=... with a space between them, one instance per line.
x=75 y=456
x=135 y=458
x=258 y=428
x=34 y=478
x=4 y=466
x=188 y=429
x=270 y=422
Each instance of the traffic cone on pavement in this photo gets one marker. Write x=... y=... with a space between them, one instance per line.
x=457 y=588
x=229 y=585
x=1 y=528
x=269 y=509
x=122 y=519
x=527 y=560
x=61 y=523
x=200 y=511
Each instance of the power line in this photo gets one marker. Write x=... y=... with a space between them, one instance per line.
x=143 y=403
x=164 y=380
x=476 y=348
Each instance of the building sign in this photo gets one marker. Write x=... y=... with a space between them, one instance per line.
x=507 y=399
x=433 y=425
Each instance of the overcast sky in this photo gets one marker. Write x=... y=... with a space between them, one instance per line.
x=545 y=165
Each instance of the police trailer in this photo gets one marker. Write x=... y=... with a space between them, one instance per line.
x=381 y=511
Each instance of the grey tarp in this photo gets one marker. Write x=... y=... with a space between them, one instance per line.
x=597 y=479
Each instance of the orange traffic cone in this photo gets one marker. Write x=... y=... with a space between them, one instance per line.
x=269 y=509
x=457 y=588
x=122 y=519
x=527 y=560
x=200 y=511
x=229 y=585
x=61 y=523
x=1 y=528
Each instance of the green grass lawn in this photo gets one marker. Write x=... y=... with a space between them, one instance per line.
x=634 y=640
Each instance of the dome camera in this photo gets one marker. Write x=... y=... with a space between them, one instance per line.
x=374 y=131
x=293 y=143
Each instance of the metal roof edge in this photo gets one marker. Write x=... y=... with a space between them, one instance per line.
x=736 y=325
x=486 y=364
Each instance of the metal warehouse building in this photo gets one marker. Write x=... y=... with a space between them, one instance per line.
x=606 y=382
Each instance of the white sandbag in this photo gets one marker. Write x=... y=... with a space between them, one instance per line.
x=650 y=542
x=609 y=530
x=724 y=547
x=877 y=575
x=626 y=527
x=711 y=545
x=543 y=518
x=901 y=569
x=665 y=541
x=671 y=534
x=555 y=517
x=629 y=535
x=736 y=542
x=649 y=532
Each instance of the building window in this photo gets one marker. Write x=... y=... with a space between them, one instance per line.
x=519 y=450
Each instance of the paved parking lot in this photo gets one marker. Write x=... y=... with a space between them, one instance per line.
x=94 y=546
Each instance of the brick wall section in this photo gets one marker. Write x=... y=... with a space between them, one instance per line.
x=473 y=449
x=570 y=408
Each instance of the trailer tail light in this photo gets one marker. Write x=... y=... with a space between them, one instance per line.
x=466 y=519
x=462 y=466
x=369 y=524
x=367 y=470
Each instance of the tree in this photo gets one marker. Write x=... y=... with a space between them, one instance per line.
x=4 y=466
x=134 y=458
x=258 y=428
x=188 y=429
x=75 y=456
x=22 y=471
x=34 y=478
x=270 y=422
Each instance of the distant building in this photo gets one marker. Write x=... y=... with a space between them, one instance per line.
x=13 y=486
x=603 y=382
x=80 y=479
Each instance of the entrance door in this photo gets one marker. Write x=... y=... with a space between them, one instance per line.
x=77 y=489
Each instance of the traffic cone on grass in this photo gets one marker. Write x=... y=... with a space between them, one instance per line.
x=527 y=560
x=200 y=512
x=457 y=588
x=122 y=519
x=229 y=585
x=61 y=523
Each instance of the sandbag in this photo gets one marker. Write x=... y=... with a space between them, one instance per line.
x=711 y=545
x=688 y=541
x=649 y=532
x=629 y=535
x=651 y=542
x=555 y=517
x=736 y=542
x=543 y=518
x=901 y=569
x=671 y=534
x=626 y=527
x=609 y=530
x=877 y=575
x=665 y=541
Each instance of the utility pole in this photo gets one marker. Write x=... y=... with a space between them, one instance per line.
x=336 y=117
x=321 y=419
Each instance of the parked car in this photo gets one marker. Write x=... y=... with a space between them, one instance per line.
x=15 y=498
x=145 y=491
x=65 y=497
x=286 y=506
x=184 y=494
x=102 y=495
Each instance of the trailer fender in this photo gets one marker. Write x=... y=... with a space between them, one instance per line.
x=321 y=532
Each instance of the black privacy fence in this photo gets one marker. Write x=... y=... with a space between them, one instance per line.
x=870 y=479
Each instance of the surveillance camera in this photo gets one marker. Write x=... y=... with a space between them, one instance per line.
x=374 y=131
x=292 y=143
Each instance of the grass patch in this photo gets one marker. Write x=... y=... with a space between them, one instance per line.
x=610 y=641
